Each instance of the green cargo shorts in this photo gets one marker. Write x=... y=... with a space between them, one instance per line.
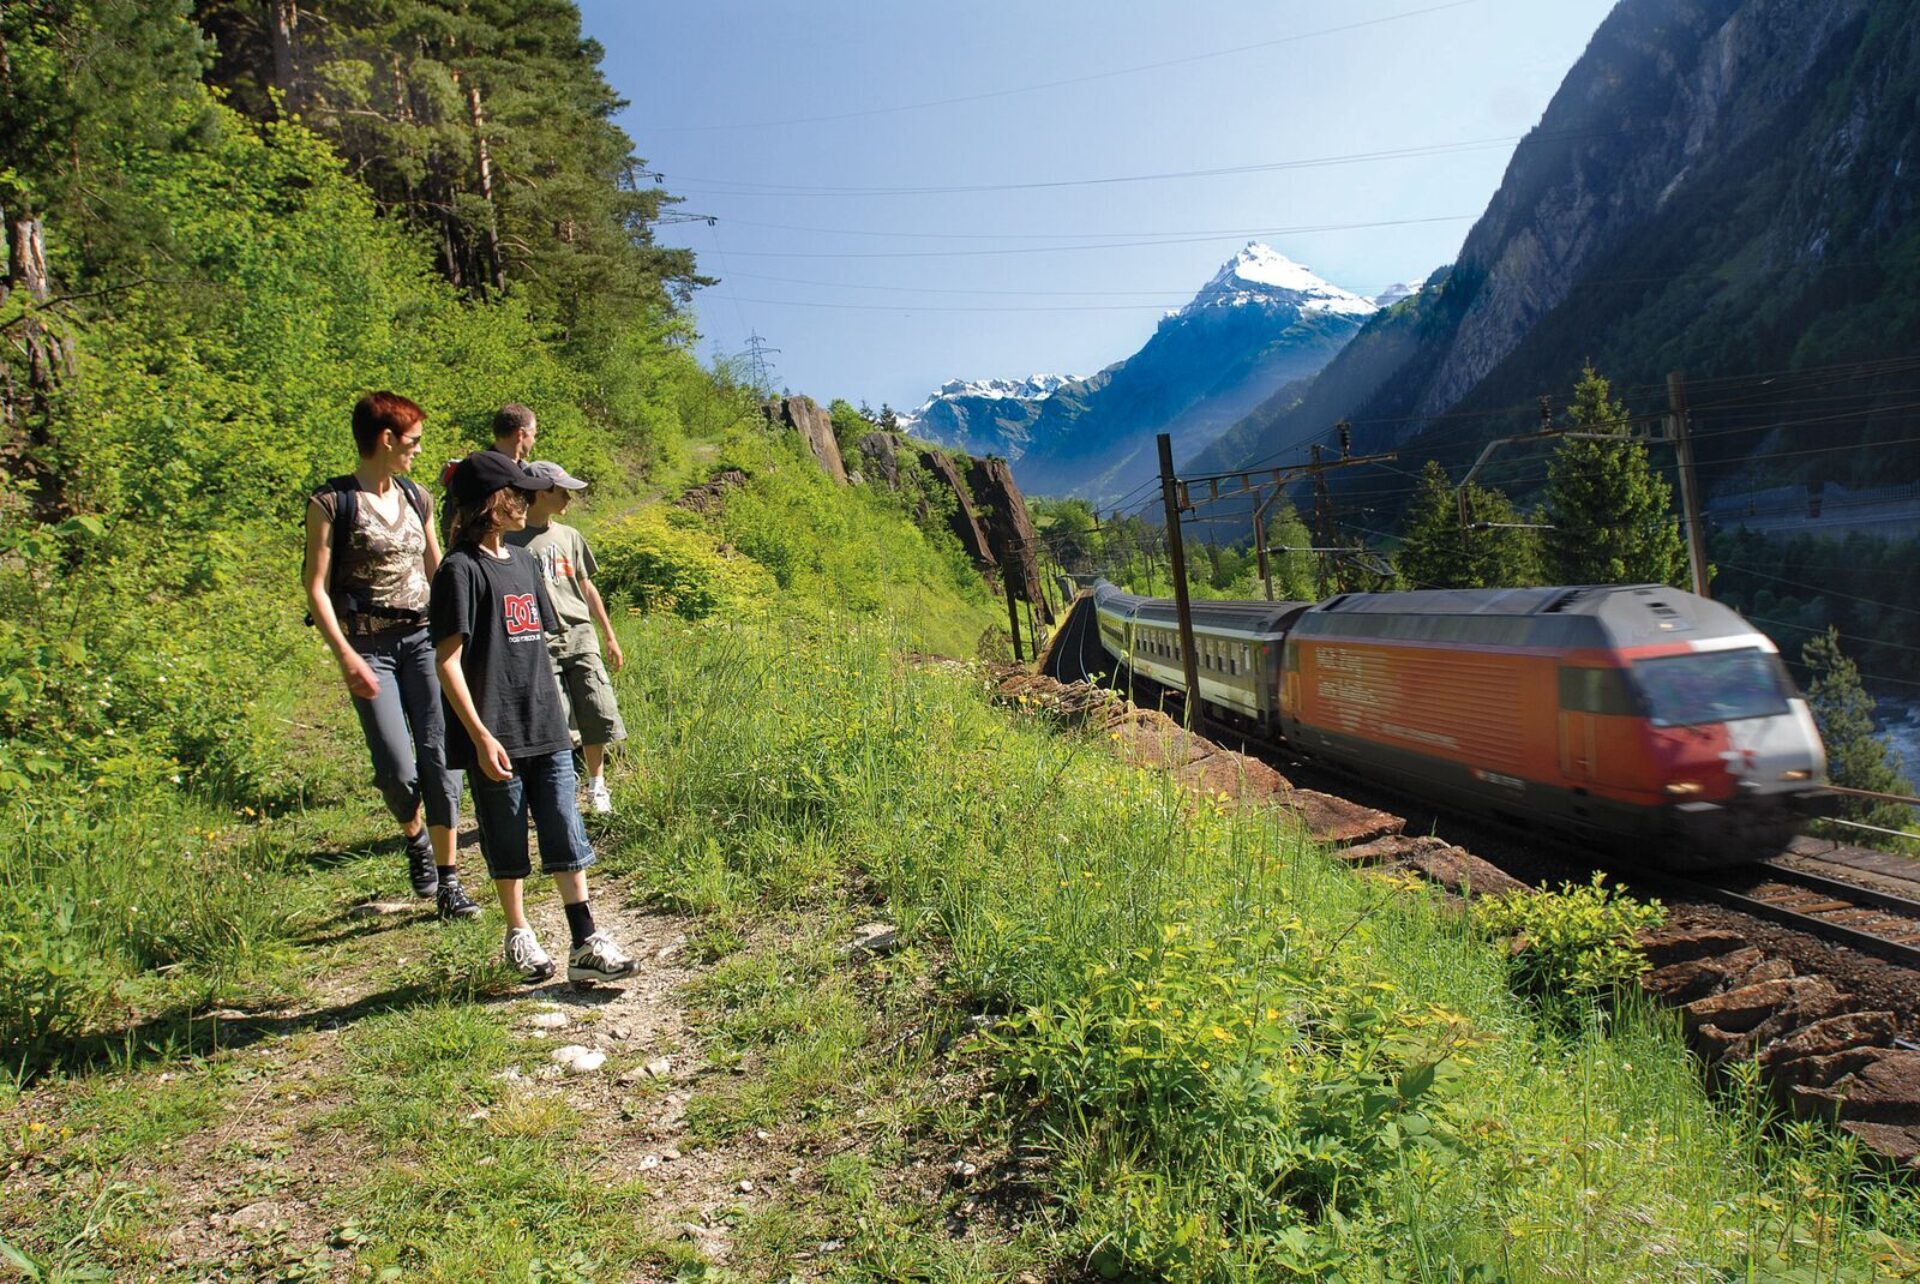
x=585 y=689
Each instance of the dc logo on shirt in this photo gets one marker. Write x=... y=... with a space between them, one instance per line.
x=521 y=613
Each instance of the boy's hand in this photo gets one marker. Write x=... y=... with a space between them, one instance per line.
x=361 y=679
x=614 y=652
x=493 y=758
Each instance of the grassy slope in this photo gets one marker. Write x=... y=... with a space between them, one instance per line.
x=1128 y=1028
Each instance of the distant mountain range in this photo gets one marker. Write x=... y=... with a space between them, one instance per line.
x=1263 y=322
x=1730 y=188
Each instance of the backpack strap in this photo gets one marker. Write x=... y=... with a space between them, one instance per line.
x=416 y=497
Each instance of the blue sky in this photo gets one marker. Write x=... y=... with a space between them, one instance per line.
x=816 y=135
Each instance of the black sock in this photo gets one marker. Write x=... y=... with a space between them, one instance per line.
x=419 y=842
x=579 y=923
x=449 y=875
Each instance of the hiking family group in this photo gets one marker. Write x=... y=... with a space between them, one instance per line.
x=483 y=662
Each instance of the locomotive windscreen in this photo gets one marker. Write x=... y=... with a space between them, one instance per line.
x=1712 y=686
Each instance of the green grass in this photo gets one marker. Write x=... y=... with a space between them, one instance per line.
x=1236 y=1057
x=1182 y=1042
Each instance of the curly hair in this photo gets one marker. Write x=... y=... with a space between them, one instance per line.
x=473 y=523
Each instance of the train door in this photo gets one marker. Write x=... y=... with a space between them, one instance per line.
x=1596 y=711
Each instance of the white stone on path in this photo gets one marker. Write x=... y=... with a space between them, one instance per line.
x=579 y=1060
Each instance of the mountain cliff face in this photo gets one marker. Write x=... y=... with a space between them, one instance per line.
x=1726 y=187
x=1261 y=323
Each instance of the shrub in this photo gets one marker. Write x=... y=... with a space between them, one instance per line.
x=662 y=561
x=1578 y=941
x=52 y=984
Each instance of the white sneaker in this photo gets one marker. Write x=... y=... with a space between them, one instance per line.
x=525 y=956
x=599 y=797
x=599 y=958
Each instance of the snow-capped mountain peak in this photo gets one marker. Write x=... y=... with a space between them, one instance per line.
x=1261 y=274
x=1396 y=292
x=1032 y=388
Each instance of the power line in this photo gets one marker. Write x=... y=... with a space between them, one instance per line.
x=1089 y=78
x=1102 y=245
x=732 y=187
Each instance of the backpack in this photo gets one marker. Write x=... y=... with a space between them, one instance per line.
x=346 y=511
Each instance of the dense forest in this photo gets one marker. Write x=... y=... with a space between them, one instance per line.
x=224 y=222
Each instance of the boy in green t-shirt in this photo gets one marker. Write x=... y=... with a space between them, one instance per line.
x=567 y=568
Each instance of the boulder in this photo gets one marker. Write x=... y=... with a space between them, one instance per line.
x=805 y=416
x=1884 y=1088
x=1731 y=1025
x=710 y=494
x=1697 y=978
x=1664 y=945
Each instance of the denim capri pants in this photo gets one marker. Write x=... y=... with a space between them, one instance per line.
x=405 y=726
x=543 y=785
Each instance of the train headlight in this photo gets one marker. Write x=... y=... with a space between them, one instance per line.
x=1798 y=774
x=1685 y=788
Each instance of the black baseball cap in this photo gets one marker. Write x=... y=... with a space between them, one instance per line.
x=485 y=471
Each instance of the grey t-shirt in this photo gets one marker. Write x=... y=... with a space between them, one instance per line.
x=562 y=554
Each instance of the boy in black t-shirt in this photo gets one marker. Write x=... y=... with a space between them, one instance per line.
x=489 y=615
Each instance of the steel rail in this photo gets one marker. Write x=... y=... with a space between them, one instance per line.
x=1894 y=951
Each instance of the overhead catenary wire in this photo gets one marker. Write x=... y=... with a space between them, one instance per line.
x=1084 y=79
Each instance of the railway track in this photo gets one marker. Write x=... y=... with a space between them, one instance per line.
x=1866 y=919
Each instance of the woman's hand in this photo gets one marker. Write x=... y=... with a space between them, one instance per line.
x=361 y=679
x=493 y=758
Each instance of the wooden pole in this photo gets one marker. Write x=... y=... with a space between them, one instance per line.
x=1177 y=556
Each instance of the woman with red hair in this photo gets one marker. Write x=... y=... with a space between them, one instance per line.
x=371 y=555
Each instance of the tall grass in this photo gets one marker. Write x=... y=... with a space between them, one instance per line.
x=1238 y=1059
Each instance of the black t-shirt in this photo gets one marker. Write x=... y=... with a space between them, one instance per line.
x=502 y=608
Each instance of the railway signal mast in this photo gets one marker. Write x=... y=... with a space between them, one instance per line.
x=1177 y=494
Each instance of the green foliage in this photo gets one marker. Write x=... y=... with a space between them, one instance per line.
x=849 y=426
x=1436 y=553
x=1797 y=586
x=1574 y=943
x=1856 y=757
x=1611 y=514
x=664 y=560
x=52 y=984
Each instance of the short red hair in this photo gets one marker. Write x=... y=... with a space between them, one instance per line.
x=379 y=412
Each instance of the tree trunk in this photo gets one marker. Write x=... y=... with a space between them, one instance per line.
x=495 y=267
x=27 y=259
x=283 y=21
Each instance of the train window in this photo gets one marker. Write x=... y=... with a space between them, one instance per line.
x=1712 y=686
x=1596 y=691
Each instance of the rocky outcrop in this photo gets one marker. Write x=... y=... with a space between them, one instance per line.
x=1818 y=1059
x=1016 y=544
x=805 y=416
x=711 y=495
x=880 y=458
x=964 y=521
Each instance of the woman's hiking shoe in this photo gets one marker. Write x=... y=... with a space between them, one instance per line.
x=420 y=869
x=598 y=958
x=599 y=797
x=453 y=901
x=525 y=956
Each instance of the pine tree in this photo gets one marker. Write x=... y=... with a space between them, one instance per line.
x=1497 y=551
x=1293 y=572
x=1611 y=513
x=1856 y=758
